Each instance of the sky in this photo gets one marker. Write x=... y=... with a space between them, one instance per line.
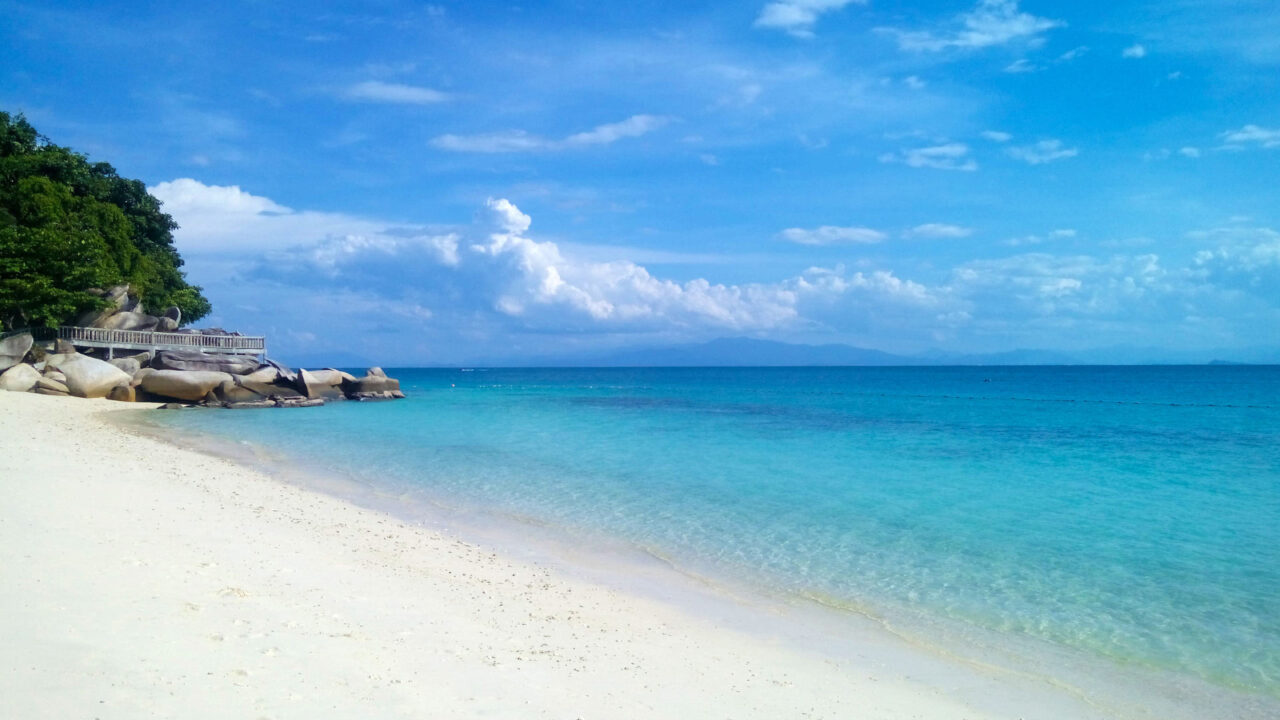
x=433 y=183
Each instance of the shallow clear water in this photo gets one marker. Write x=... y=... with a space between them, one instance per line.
x=1131 y=513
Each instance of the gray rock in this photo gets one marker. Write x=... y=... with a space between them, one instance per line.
x=87 y=377
x=250 y=404
x=127 y=364
x=117 y=295
x=63 y=347
x=300 y=402
x=285 y=371
x=118 y=299
x=46 y=391
x=181 y=385
x=13 y=349
x=173 y=406
x=165 y=324
x=196 y=360
x=55 y=374
x=323 y=384
x=264 y=374
x=233 y=392
x=274 y=390
x=345 y=376
x=49 y=383
x=122 y=393
x=375 y=372
x=173 y=313
x=373 y=387
x=94 y=318
x=19 y=378
x=125 y=320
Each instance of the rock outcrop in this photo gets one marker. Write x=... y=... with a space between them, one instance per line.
x=129 y=365
x=169 y=320
x=125 y=320
x=194 y=360
x=176 y=377
x=13 y=349
x=375 y=385
x=19 y=378
x=193 y=386
x=321 y=384
x=87 y=377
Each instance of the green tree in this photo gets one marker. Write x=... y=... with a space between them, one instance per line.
x=68 y=225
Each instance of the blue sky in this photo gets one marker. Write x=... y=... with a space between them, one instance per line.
x=439 y=182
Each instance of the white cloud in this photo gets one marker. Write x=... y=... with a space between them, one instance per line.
x=990 y=23
x=521 y=141
x=634 y=126
x=378 y=91
x=1045 y=151
x=832 y=235
x=221 y=220
x=914 y=82
x=949 y=156
x=1134 y=52
x=997 y=136
x=1061 y=234
x=1253 y=135
x=938 y=230
x=1247 y=251
x=415 y=292
x=1073 y=53
x=797 y=17
x=1021 y=66
x=1190 y=152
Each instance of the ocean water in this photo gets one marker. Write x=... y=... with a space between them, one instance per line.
x=1128 y=515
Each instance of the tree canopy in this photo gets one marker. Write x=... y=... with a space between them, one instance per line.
x=68 y=225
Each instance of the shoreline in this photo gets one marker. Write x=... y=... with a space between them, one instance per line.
x=432 y=610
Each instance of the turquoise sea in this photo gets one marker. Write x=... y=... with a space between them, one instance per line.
x=1127 y=516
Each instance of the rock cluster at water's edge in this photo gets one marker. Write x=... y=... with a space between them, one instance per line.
x=181 y=378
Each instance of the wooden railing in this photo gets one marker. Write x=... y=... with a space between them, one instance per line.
x=145 y=339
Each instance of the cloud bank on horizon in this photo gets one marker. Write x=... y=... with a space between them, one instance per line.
x=453 y=181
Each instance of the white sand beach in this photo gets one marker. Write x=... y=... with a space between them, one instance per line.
x=143 y=580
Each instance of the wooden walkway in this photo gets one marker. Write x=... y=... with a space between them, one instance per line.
x=113 y=340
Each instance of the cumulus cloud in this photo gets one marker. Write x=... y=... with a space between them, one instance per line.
x=416 y=292
x=1045 y=151
x=990 y=23
x=832 y=235
x=1065 y=289
x=1253 y=135
x=797 y=17
x=221 y=219
x=938 y=231
x=385 y=92
x=1134 y=52
x=521 y=141
x=1241 y=254
x=949 y=156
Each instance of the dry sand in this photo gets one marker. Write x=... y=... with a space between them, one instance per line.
x=141 y=580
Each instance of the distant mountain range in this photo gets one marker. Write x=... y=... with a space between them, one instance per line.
x=741 y=352
x=750 y=352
